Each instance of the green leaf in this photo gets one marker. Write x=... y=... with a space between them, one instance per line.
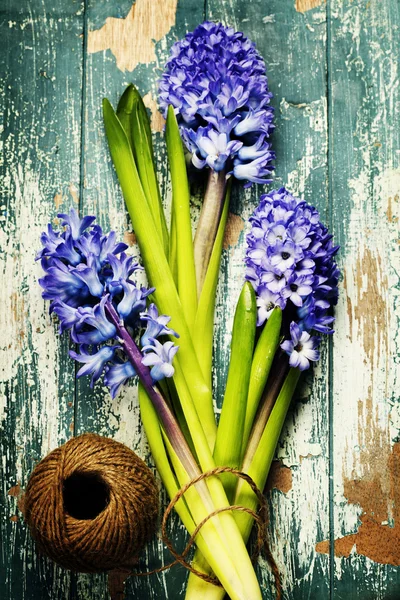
x=258 y=464
x=157 y=269
x=134 y=118
x=181 y=227
x=264 y=354
x=230 y=429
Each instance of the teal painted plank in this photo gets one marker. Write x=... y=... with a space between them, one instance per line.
x=294 y=47
x=109 y=69
x=40 y=98
x=364 y=47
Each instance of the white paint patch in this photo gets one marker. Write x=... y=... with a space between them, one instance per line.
x=367 y=338
x=29 y=347
x=315 y=148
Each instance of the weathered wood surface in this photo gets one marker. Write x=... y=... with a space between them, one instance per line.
x=333 y=69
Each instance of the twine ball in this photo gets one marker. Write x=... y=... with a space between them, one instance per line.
x=91 y=504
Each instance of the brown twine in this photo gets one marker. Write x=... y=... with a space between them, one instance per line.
x=112 y=538
x=261 y=519
x=125 y=521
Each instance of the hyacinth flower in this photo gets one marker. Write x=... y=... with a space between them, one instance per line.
x=291 y=268
x=89 y=280
x=216 y=82
x=224 y=117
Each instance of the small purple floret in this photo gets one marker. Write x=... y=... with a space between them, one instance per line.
x=302 y=348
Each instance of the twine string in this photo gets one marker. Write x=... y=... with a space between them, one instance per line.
x=261 y=519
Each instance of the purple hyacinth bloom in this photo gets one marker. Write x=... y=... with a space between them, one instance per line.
x=93 y=326
x=211 y=148
x=76 y=225
x=133 y=301
x=266 y=302
x=95 y=362
x=82 y=266
x=290 y=261
x=117 y=374
x=156 y=325
x=68 y=315
x=216 y=81
x=122 y=268
x=62 y=283
x=89 y=274
x=297 y=288
x=302 y=348
x=159 y=357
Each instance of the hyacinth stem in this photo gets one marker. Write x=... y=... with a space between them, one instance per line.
x=264 y=354
x=204 y=323
x=164 y=412
x=208 y=539
x=256 y=464
x=267 y=403
x=231 y=424
x=211 y=494
x=257 y=461
x=208 y=224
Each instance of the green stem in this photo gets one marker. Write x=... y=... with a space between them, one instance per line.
x=134 y=118
x=157 y=268
x=208 y=539
x=230 y=429
x=257 y=463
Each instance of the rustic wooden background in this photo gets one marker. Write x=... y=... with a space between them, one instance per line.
x=333 y=69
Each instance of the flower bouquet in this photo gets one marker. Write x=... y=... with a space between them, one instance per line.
x=215 y=97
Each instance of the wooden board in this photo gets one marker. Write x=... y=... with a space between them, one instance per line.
x=333 y=70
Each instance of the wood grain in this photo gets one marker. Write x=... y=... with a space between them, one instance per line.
x=41 y=66
x=293 y=45
x=132 y=40
x=364 y=129
x=333 y=69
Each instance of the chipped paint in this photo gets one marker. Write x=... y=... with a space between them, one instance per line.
x=305 y=5
x=366 y=344
x=132 y=40
x=74 y=191
x=377 y=494
x=157 y=121
x=30 y=338
x=58 y=199
x=234 y=227
x=314 y=147
x=280 y=477
x=15 y=491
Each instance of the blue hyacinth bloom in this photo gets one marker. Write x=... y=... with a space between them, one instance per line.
x=216 y=81
x=290 y=263
x=159 y=357
x=302 y=348
x=133 y=302
x=156 y=325
x=95 y=362
x=86 y=272
x=117 y=374
x=93 y=326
